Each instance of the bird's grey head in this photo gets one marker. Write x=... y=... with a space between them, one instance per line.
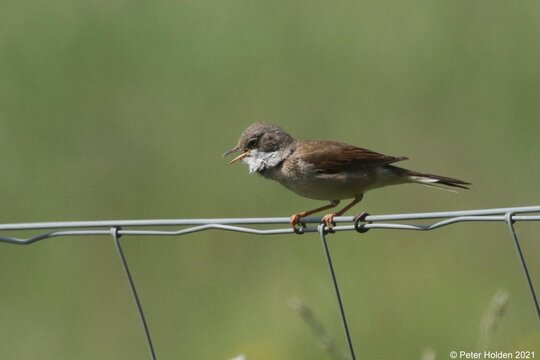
x=262 y=145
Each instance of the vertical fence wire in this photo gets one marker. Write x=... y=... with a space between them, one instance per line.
x=510 y=223
x=116 y=238
x=322 y=233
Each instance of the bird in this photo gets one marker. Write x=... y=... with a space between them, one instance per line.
x=325 y=170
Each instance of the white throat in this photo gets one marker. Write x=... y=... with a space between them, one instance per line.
x=260 y=160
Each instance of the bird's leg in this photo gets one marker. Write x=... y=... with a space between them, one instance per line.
x=328 y=219
x=295 y=218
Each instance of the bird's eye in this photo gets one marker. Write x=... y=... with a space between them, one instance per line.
x=251 y=143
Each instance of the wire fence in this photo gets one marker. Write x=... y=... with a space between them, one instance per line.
x=361 y=223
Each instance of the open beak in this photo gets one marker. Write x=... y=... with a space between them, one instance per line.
x=239 y=157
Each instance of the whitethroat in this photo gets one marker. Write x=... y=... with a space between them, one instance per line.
x=324 y=170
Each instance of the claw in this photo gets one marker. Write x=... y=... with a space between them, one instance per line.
x=294 y=220
x=297 y=226
x=328 y=220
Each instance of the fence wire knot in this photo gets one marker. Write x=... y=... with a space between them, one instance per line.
x=361 y=228
x=115 y=232
x=323 y=229
x=299 y=228
x=508 y=217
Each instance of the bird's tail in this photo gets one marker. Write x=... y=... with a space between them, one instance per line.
x=435 y=180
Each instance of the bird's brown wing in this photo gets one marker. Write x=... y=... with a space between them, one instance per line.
x=334 y=157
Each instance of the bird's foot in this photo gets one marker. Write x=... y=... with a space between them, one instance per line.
x=328 y=221
x=298 y=227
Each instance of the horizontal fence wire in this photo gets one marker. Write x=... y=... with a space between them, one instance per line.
x=259 y=226
x=249 y=225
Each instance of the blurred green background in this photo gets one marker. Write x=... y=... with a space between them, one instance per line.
x=122 y=109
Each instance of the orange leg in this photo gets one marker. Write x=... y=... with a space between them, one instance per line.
x=328 y=219
x=295 y=218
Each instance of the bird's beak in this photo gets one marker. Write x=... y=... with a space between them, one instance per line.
x=239 y=157
x=234 y=149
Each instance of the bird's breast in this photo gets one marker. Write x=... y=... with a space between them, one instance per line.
x=301 y=178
